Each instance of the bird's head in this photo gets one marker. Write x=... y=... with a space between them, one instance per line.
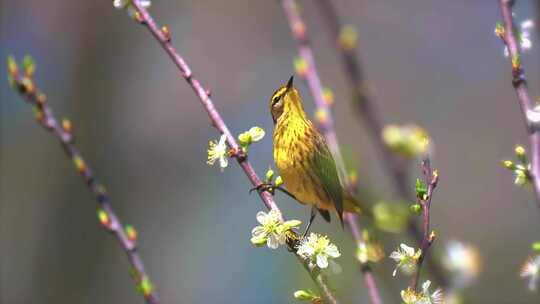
x=286 y=100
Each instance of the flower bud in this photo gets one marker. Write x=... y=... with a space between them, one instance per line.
x=256 y=133
x=269 y=175
x=279 y=181
x=304 y=295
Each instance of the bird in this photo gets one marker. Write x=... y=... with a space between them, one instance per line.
x=303 y=159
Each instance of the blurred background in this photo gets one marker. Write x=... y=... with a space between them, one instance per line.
x=434 y=63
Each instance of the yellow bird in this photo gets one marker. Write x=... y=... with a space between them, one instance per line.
x=303 y=159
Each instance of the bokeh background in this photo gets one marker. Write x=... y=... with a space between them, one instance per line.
x=434 y=63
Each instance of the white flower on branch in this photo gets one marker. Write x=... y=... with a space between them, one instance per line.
x=524 y=36
x=531 y=271
x=218 y=150
x=318 y=250
x=272 y=231
x=406 y=258
x=128 y=4
x=409 y=296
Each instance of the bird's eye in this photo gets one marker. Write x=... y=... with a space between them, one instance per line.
x=275 y=100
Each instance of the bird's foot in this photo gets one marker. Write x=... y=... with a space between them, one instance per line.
x=268 y=187
x=271 y=188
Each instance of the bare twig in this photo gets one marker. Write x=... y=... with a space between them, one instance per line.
x=326 y=123
x=508 y=36
x=26 y=87
x=430 y=178
x=362 y=102
x=395 y=166
x=164 y=39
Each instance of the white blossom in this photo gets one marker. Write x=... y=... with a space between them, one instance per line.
x=406 y=258
x=218 y=150
x=531 y=271
x=318 y=250
x=272 y=231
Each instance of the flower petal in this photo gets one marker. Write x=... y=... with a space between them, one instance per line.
x=223 y=162
x=332 y=250
x=258 y=232
x=322 y=261
x=408 y=250
x=262 y=217
x=272 y=241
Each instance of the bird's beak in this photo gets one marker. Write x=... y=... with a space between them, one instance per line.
x=290 y=83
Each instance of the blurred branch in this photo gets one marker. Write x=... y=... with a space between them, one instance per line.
x=431 y=179
x=126 y=236
x=163 y=37
x=326 y=123
x=346 y=43
x=508 y=33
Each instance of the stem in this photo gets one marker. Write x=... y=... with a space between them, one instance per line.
x=113 y=223
x=520 y=86
x=431 y=180
x=367 y=110
x=165 y=41
x=363 y=103
x=300 y=34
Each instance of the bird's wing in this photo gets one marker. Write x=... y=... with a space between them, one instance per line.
x=325 y=169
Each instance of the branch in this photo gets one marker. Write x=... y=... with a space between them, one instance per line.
x=367 y=110
x=326 y=124
x=126 y=237
x=508 y=36
x=164 y=39
x=431 y=179
x=363 y=103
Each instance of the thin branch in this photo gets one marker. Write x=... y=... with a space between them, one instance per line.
x=164 y=39
x=25 y=86
x=431 y=179
x=367 y=110
x=362 y=102
x=326 y=124
x=519 y=82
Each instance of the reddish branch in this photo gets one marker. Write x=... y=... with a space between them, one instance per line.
x=164 y=39
x=26 y=87
x=430 y=179
x=367 y=110
x=519 y=82
x=326 y=123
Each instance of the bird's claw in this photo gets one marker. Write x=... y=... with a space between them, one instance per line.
x=270 y=188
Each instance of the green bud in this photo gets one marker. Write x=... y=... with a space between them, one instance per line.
x=499 y=29
x=536 y=246
x=146 y=287
x=12 y=65
x=508 y=164
x=269 y=175
x=279 y=181
x=29 y=65
x=244 y=139
x=521 y=154
x=416 y=208
x=256 y=133
x=304 y=295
